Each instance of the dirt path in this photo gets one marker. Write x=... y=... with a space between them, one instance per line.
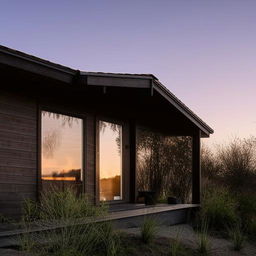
x=188 y=237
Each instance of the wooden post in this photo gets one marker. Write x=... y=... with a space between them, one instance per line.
x=196 y=168
x=132 y=162
x=97 y=161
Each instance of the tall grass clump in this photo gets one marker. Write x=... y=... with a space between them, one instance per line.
x=149 y=230
x=111 y=242
x=219 y=208
x=203 y=242
x=237 y=236
x=68 y=227
x=176 y=248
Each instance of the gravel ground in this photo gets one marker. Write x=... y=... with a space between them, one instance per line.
x=188 y=237
x=10 y=252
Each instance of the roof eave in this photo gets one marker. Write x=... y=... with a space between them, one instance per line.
x=64 y=74
x=138 y=81
x=162 y=90
x=29 y=63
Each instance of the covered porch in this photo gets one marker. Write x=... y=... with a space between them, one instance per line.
x=146 y=110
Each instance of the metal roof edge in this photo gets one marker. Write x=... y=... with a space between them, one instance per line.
x=36 y=60
x=120 y=75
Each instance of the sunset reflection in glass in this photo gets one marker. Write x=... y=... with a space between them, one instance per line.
x=61 y=150
x=110 y=154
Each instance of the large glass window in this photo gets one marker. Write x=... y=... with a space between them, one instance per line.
x=61 y=151
x=110 y=161
x=164 y=165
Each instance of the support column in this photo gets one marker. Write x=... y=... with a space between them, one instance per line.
x=132 y=161
x=196 y=168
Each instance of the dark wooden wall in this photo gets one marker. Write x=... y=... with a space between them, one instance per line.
x=90 y=183
x=18 y=152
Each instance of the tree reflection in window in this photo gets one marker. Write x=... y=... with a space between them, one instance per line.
x=61 y=151
x=164 y=164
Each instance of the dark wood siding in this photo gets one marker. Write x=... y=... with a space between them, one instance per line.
x=126 y=162
x=18 y=152
x=90 y=148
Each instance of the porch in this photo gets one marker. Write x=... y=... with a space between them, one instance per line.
x=121 y=215
x=132 y=215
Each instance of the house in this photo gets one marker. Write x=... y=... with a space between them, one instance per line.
x=60 y=126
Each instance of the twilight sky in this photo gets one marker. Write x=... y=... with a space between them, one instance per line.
x=203 y=51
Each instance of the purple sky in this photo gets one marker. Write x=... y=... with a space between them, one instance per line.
x=203 y=51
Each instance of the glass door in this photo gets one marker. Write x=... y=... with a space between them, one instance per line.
x=110 y=161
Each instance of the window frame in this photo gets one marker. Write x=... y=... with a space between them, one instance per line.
x=66 y=112
x=97 y=173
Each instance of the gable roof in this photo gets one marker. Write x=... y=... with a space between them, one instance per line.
x=68 y=75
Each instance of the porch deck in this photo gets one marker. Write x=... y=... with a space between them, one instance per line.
x=121 y=215
x=132 y=215
x=158 y=207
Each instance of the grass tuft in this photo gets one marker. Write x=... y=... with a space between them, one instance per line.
x=148 y=230
x=238 y=237
x=204 y=246
x=176 y=248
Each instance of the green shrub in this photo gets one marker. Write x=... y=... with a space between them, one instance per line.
x=219 y=208
x=237 y=237
x=247 y=212
x=111 y=242
x=247 y=205
x=27 y=243
x=148 y=230
x=30 y=211
x=251 y=229
x=64 y=211
x=63 y=205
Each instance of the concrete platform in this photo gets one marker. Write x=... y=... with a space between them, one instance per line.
x=133 y=216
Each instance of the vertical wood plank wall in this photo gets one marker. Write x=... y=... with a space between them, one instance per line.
x=18 y=152
x=90 y=147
